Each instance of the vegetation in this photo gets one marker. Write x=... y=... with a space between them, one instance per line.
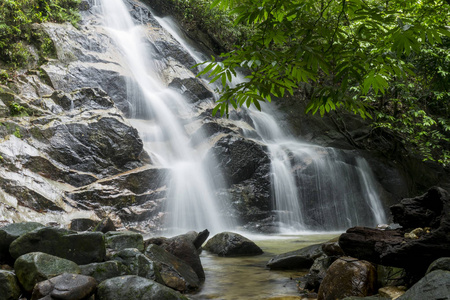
x=384 y=60
x=16 y=30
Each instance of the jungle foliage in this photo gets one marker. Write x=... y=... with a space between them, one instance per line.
x=386 y=60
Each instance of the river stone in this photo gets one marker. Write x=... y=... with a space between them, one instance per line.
x=346 y=277
x=65 y=287
x=119 y=240
x=298 y=259
x=9 y=286
x=135 y=287
x=232 y=244
x=35 y=267
x=104 y=270
x=174 y=272
x=11 y=232
x=82 y=248
x=442 y=263
x=138 y=264
x=435 y=285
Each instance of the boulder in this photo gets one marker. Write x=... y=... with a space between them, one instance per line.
x=348 y=277
x=65 y=287
x=392 y=248
x=174 y=272
x=391 y=276
x=35 y=267
x=232 y=244
x=435 y=285
x=135 y=287
x=9 y=286
x=138 y=264
x=298 y=259
x=119 y=240
x=105 y=270
x=442 y=263
x=11 y=232
x=332 y=248
x=391 y=292
x=185 y=247
x=82 y=248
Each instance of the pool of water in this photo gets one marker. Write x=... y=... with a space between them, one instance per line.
x=248 y=277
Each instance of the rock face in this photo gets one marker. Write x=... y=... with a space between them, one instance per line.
x=392 y=248
x=232 y=244
x=66 y=287
x=134 y=287
x=298 y=259
x=348 y=277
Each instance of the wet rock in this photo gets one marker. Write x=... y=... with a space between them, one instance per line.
x=316 y=274
x=104 y=270
x=104 y=225
x=134 y=287
x=435 y=285
x=9 y=286
x=191 y=88
x=82 y=248
x=232 y=244
x=119 y=240
x=184 y=247
x=138 y=264
x=174 y=272
x=298 y=259
x=442 y=263
x=11 y=232
x=348 y=277
x=391 y=276
x=35 y=267
x=65 y=287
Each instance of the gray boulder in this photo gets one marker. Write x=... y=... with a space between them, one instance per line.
x=104 y=270
x=175 y=273
x=65 y=287
x=138 y=264
x=434 y=286
x=442 y=263
x=119 y=240
x=35 y=267
x=11 y=232
x=135 y=287
x=82 y=248
x=232 y=244
x=9 y=286
x=298 y=259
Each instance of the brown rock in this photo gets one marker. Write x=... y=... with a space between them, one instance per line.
x=346 y=277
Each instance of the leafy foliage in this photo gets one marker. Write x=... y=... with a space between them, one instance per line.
x=359 y=55
x=16 y=19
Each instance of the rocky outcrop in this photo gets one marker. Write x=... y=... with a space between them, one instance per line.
x=232 y=244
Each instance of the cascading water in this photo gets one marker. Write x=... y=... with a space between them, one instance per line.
x=190 y=199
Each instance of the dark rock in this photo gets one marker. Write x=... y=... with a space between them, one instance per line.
x=35 y=267
x=191 y=88
x=201 y=238
x=9 y=286
x=232 y=244
x=82 y=224
x=316 y=274
x=348 y=277
x=138 y=264
x=442 y=263
x=134 y=287
x=119 y=240
x=65 y=287
x=332 y=249
x=82 y=248
x=435 y=285
x=298 y=259
x=183 y=247
x=11 y=232
x=174 y=272
x=104 y=270
x=391 y=276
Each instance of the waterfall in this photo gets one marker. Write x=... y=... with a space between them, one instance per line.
x=190 y=203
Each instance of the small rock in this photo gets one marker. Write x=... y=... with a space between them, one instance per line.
x=9 y=286
x=442 y=263
x=119 y=240
x=232 y=244
x=298 y=259
x=35 y=267
x=136 y=288
x=347 y=277
x=65 y=287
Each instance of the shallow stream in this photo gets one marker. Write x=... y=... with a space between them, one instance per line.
x=248 y=277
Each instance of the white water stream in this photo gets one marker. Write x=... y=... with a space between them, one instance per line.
x=313 y=187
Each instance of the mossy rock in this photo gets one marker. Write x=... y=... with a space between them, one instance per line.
x=9 y=286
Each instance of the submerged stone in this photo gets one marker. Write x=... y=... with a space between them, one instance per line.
x=232 y=244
